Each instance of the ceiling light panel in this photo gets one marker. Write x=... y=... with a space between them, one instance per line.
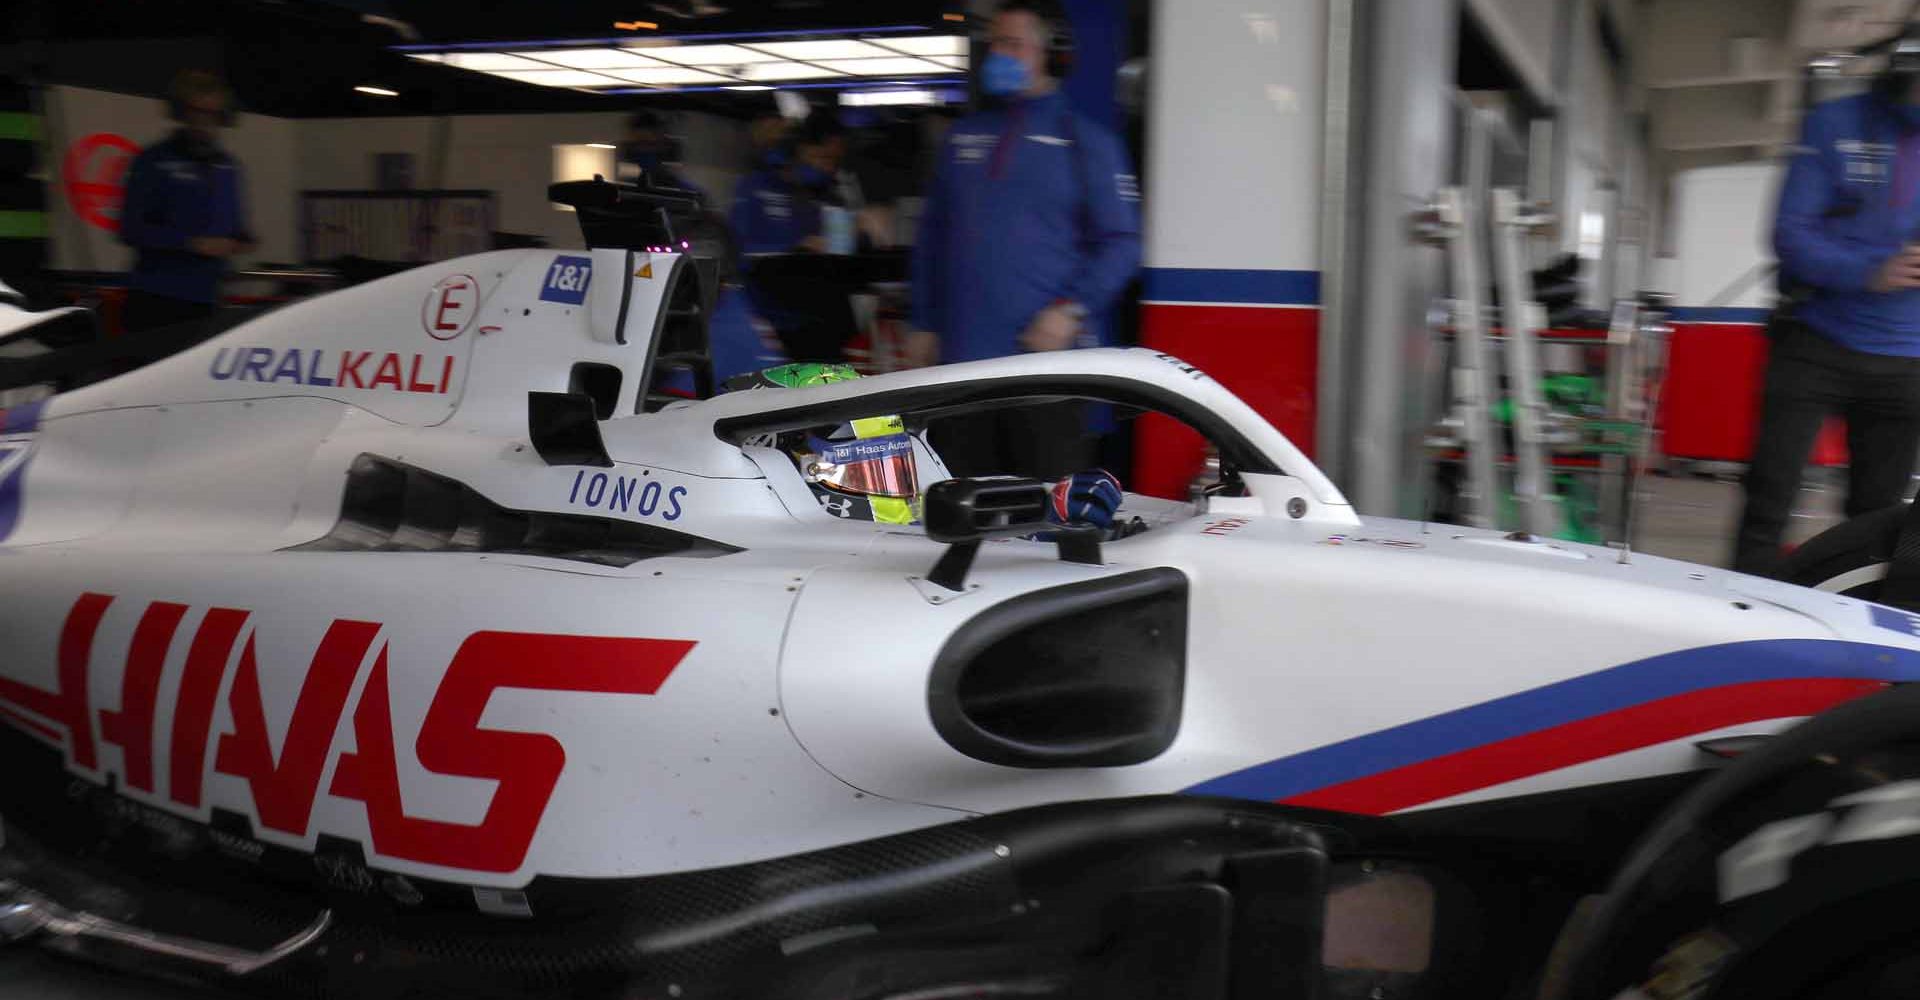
x=826 y=48
x=709 y=55
x=560 y=77
x=491 y=62
x=786 y=71
x=897 y=66
x=594 y=58
x=927 y=45
x=950 y=62
x=669 y=75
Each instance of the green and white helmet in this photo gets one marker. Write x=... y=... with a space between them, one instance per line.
x=862 y=470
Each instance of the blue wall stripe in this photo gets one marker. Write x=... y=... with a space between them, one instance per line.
x=1722 y=314
x=1199 y=284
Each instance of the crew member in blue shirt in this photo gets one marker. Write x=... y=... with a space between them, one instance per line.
x=1030 y=233
x=1848 y=341
x=776 y=209
x=185 y=210
x=651 y=154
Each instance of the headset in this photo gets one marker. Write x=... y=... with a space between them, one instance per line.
x=189 y=82
x=1060 y=44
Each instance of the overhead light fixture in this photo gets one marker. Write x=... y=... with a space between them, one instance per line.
x=826 y=48
x=950 y=62
x=559 y=77
x=748 y=86
x=594 y=58
x=888 y=98
x=706 y=55
x=668 y=75
x=432 y=57
x=785 y=71
x=377 y=91
x=491 y=62
x=896 y=66
x=927 y=45
x=601 y=145
x=635 y=25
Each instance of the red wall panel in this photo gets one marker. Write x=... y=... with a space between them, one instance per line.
x=1267 y=356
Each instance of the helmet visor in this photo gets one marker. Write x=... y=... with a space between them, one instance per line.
x=879 y=466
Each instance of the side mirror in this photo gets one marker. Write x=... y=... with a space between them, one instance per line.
x=964 y=512
x=968 y=510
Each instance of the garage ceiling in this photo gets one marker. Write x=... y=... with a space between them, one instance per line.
x=304 y=58
x=1725 y=78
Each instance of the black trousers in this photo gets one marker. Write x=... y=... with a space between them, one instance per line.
x=147 y=311
x=1809 y=378
x=1049 y=441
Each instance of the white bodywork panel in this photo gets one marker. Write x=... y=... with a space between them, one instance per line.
x=487 y=717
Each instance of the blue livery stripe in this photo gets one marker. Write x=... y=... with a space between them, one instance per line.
x=1256 y=287
x=1572 y=700
x=21 y=419
x=14 y=455
x=1717 y=314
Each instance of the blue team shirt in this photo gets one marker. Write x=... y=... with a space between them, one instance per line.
x=174 y=196
x=1839 y=220
x=771 y=215
x=1029 y=203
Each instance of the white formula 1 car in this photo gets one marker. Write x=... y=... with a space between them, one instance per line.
x=415 y=640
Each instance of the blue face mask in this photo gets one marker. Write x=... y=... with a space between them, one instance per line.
x=1002 y=75
x=810 y=176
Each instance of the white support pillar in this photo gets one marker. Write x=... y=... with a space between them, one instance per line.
x=1409 y=52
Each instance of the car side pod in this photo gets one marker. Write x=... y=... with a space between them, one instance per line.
x=964 y=512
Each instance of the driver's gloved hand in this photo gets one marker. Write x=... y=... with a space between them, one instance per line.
x=1091 y=497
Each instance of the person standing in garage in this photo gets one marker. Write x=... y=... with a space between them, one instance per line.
x=1848 y=340
x=652 y=154
x=1030 y=233
x=185 y=214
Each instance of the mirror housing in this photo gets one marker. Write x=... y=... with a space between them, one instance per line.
x=964 y=512
x=969 y=510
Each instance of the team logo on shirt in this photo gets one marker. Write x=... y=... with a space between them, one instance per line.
x=1867 y=162
x=973 y=147
x=776 y=204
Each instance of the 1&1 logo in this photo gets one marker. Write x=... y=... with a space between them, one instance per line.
x=567 y=279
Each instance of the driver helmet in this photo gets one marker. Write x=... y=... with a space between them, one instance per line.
x=862 y=470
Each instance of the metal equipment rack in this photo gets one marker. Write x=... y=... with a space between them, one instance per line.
x=1550 y=455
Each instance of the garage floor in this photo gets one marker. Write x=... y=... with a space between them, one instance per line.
x=1692 y=517
x=1684 y=516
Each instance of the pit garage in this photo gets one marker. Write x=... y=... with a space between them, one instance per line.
x=1046 y=498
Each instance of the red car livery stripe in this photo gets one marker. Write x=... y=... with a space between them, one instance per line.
x=1612 y=711
x=1657 y=721
x=525 y=767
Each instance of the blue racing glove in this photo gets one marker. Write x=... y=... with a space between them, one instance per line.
x=1091 y=498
